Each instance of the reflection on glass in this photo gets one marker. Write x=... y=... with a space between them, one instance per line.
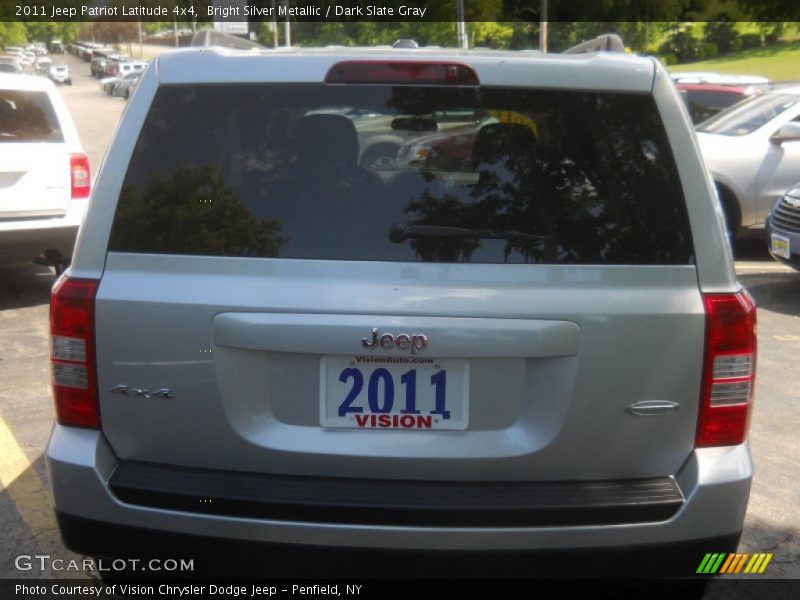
x=382 y=173
x=192 y=211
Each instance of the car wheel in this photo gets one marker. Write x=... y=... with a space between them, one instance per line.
x=380 y=156
x=127 y=94
x=69 y=81
x=730 y=210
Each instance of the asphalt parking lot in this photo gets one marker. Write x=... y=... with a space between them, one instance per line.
x=773 y=520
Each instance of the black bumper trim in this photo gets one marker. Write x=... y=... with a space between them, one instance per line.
x=396 y=503
x=217 y=557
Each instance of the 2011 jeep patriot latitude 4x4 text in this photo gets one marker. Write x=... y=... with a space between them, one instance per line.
x=529 y=338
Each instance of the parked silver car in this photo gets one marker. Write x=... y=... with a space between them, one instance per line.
x=542 y=351
x=753 y=153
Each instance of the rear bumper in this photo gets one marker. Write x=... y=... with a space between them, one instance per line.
x=225 y=557
x=23 y=245
x=715 y=483
x=22 y=240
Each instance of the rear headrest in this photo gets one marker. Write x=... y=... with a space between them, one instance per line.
x=326 y=139
x=496 y=141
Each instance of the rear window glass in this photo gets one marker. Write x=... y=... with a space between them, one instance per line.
x=27 y=116
x=401 y=173
x=704 y=104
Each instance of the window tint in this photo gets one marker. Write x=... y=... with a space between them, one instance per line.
x=27 y=117
x=403 y=174
x=705 y=104
x=746 y=117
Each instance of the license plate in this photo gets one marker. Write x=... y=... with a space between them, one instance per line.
x=780 y=246
x=376 y=392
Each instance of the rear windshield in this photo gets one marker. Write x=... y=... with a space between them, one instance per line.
x=27 y=116
x=705 y=104
x=401 y=173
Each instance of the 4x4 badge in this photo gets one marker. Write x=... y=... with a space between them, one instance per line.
x=416 y=342
x=127 y=390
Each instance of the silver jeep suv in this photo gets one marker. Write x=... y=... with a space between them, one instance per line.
x=525 y=338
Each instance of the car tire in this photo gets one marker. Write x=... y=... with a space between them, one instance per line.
x=127 y=94
x=69 y=81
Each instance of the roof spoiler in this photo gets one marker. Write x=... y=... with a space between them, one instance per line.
x=211 y=37
x=608 y=42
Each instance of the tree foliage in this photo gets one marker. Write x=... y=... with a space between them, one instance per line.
x=12 y=33
x=721 y=32
x=16 y=33
x=771 y=10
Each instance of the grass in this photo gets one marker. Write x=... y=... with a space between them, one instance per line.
x=779 y=62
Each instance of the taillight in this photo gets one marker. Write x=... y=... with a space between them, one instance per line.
x=72 y=355
x=369 y=71
x=80 y=176
x=729 y=370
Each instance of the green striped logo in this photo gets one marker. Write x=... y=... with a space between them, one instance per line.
x=725 y=563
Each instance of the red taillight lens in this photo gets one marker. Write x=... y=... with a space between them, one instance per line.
x=72 y=356
x=729 y=370
x=366 y=71
x=80 y=176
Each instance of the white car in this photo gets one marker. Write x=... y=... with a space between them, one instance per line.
x=44 y=172
x=60 y=74
x=126 y=68
x=752 y=151
x=43 y=64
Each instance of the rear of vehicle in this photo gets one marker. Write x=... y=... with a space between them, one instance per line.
x=60 y=74
x=542 y=349
x=128 y=68
x=43 y=65
x=44 y=173
x=98 y=66
x=783 y=229
x=706 y=100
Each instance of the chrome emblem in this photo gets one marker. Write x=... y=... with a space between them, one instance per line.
x=416 y=342
x=650 y=408
x=793 y=202
x=127 y=390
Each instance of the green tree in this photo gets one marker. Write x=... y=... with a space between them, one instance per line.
x=722 y=32
x=46 y=31
x=682 y=44
x=492 y=35
x=771 y=10
x=12 y=33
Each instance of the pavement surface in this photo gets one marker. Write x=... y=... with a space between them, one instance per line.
x=773 y=518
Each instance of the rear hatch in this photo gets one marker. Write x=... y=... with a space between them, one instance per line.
x=272 y=305
x=34 y=166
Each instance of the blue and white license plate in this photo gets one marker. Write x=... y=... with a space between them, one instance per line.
x=780 y=246
x=387 y=392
